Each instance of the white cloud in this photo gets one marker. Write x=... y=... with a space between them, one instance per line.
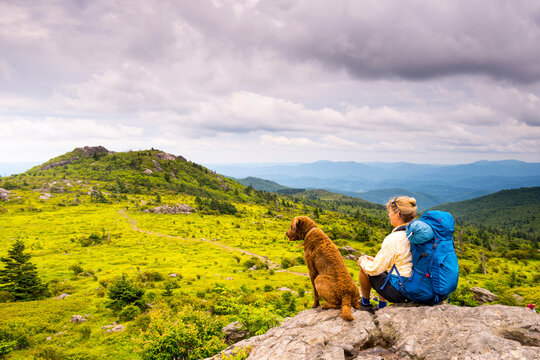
x=245 y=79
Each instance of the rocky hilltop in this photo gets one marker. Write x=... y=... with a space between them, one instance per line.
x=402 y=332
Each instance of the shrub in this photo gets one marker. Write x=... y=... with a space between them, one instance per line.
x=6 y=347
x=151 y=276
x=287 y=262
x=462 y=296
x=129 y=312
x=123 y=292
x=257 y=320
x=188 y=334
x=76 y=268
x=268 y=288
x=6 y=296
x=90 y=240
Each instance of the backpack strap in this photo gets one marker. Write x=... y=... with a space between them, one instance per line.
x=401 y=228
x=400 y=281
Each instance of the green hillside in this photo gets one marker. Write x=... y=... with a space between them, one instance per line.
x=261 y=184
x=514 y=211
x=102 y=227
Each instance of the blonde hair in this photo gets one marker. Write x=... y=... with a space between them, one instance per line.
x=405 y=206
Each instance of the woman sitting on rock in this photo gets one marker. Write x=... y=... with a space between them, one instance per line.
x=395 y=250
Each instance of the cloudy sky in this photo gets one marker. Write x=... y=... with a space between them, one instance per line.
x=221 y=81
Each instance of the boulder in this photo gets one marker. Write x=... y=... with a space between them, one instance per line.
x=118 y=328
x=482 y=295
x=234 y=332
x=348 y=250
x=147 y=171
x=77 y=319
x=4 y=194
x=61 y=296
x=165 y=156
x=351 y=257
x=45 y=196
x=402 y=332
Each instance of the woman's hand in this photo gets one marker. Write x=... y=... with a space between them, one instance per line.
x=364 y=257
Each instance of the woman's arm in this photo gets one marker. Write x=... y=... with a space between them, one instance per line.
x=382 y=261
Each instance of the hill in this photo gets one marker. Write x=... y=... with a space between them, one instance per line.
x=261 y=184
x=509 y=210
x=104 y=233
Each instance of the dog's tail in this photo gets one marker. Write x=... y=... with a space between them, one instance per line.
x=346 y=308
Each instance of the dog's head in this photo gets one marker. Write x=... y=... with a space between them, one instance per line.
x=300 y=227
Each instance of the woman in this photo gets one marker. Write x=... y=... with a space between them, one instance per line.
x=395 y=250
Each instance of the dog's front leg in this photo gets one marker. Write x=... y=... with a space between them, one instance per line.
x=312 y=276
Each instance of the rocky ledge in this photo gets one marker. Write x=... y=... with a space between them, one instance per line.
x=402 y=332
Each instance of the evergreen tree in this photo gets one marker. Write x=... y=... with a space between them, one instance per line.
x=19 y=275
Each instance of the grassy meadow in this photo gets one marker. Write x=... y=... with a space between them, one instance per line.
x=227 y=265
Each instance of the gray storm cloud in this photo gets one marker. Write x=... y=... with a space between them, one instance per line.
x=350 y=76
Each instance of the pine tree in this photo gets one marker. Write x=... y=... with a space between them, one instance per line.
x=19 y=275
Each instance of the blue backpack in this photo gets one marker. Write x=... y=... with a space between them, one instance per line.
x=435 y=269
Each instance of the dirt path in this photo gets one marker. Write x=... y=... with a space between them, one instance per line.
x=271 y=264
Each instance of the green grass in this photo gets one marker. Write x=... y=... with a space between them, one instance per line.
x=207 y=252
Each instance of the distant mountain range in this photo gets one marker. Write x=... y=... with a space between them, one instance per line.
x=431 y=184
x=511 y=210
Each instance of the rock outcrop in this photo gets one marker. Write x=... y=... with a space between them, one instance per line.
x=4 y=194
x=172 y=209
x=166 y=156
x=85 y=151
x=402 y=332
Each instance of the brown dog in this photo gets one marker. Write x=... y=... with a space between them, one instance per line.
x=329 y=275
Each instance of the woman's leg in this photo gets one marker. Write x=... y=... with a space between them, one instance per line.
x=365 y=284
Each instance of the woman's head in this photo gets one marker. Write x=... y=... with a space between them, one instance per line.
x=402 y=206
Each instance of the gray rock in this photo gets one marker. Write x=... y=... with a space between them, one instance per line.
x=118 y=328
x=348 y=250
x=165 y=156
x=173 y=209
x=402 y=332
x=4 y=194
x=45 y=196
x=173 y=275
x=285 y=289
x=351 y=257
x=147 y=171
x=62 y=296
x=234 y=332
x=482 y=295
x=77 y=319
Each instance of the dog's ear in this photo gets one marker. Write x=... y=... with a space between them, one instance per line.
x=293 y=225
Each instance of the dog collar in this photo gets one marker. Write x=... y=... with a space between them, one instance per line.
x=309 y=232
